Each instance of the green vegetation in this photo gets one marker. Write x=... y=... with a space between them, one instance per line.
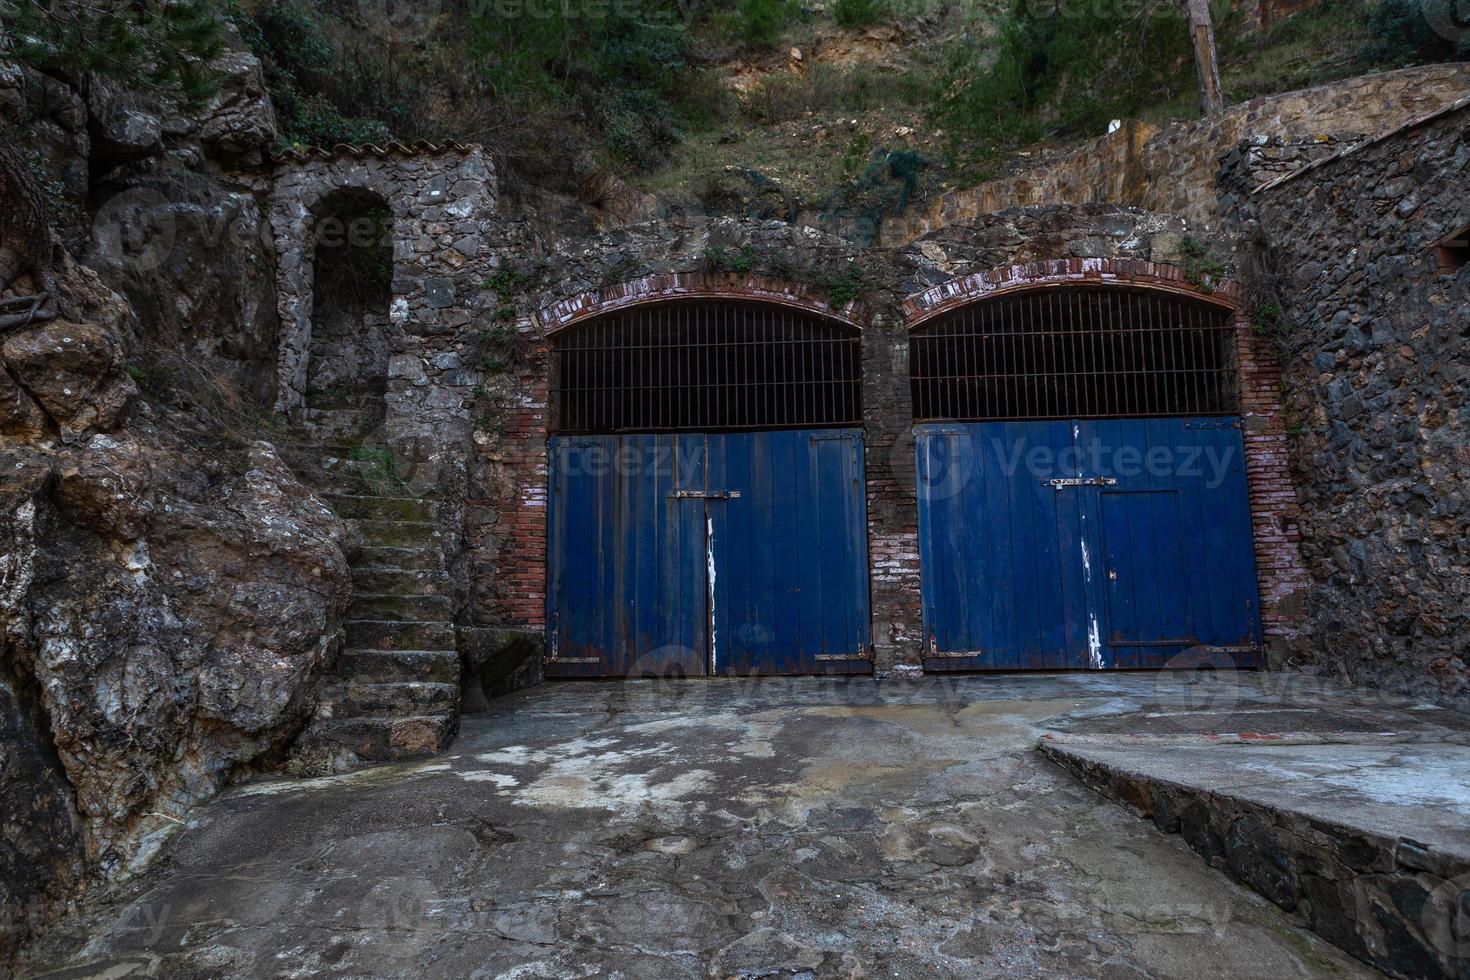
x=569 y=92
x=858 y=13
x=1411 y=32
x=1062 y=70
x=541 y=83
x=150 y=46
x=322 y=94
x=718 y=258
x=763 y=21
x=846 y=286
x=1200 y=267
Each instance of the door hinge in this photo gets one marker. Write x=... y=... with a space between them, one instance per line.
x=1248 y=648
x=1080 y=481
x=1214 y=424
x=864 y=652
x=706 y=494
x=935 y=653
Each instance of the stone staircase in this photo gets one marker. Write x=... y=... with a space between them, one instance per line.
x=394 y=692
x=346 y=412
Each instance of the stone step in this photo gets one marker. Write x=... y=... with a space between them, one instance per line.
x=410 y=608
x=363 y=507
x=378 y=634
x=344 y=423
x=359 y=397
x=330 y=472
x=386 y=666
x=372 y=557
x=392 y=738
x=395 y=699
x=398 y=534
x=384 y=580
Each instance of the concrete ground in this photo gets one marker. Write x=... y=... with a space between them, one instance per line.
x=802 y=827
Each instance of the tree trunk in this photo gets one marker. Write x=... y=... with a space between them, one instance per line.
x=1202 y=32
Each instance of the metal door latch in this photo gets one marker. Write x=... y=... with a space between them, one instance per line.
x=706 y=494
x=1083 y=481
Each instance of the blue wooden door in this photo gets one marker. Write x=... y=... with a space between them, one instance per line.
x=999 y=551
x=1085 y=544
x=789 y=554
x=700 y=554
x=625 y=595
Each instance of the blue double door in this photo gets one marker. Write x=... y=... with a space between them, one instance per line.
x=1076 y=544
x=707 y=554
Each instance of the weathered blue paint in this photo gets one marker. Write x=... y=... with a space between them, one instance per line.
x=1086 y=544
x=729 y=553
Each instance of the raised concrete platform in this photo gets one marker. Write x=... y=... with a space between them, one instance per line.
x=1364 y=837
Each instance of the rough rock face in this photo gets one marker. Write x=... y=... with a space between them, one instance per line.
x=157 y=198
x=40 y=834
x=1377 y=365
x=166 y=607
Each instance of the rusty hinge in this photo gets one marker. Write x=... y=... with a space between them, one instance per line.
x=934 y=651
x=864 y=652
x=553 y=648
x=706 y=494
x=1062 y=483
x=1213 y=424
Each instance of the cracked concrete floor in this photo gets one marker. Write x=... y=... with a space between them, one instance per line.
x=801 y=827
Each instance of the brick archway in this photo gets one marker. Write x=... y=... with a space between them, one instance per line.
x=1282 y=574
x=663 y=287
x=1158 y=276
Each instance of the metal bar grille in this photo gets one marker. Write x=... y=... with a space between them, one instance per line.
x=705 y=366
x=1076 y=352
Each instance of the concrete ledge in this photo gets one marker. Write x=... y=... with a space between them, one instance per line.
x=1365 y=839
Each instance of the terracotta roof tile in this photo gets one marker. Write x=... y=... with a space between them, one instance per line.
x=393 y=148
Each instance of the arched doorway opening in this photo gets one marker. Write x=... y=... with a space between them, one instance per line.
x=706 y=509
x=352 y=269
x=1081 y=482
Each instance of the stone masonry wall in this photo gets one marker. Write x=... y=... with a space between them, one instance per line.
x=775 y=261
x=1172 y=169
x=443 y=202
x=1376 y=364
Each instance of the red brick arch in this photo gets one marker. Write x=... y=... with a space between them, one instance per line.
x=1159 y=276
x=665 y=287
x=1280 y=570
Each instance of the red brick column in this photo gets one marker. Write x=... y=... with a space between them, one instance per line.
x=1283 y=575
x=519 y=571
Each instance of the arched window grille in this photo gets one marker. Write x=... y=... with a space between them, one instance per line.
x=705 y=365
x=1075 y=352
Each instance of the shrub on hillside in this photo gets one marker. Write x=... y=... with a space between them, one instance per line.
x=1413 y=32
x=762 y=21
x=858 y=13
x=1063 y=70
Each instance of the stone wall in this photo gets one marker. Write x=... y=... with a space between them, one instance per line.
x=443 y=202
x=1376 y=366
x=1171 y=169
x=778 y=262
